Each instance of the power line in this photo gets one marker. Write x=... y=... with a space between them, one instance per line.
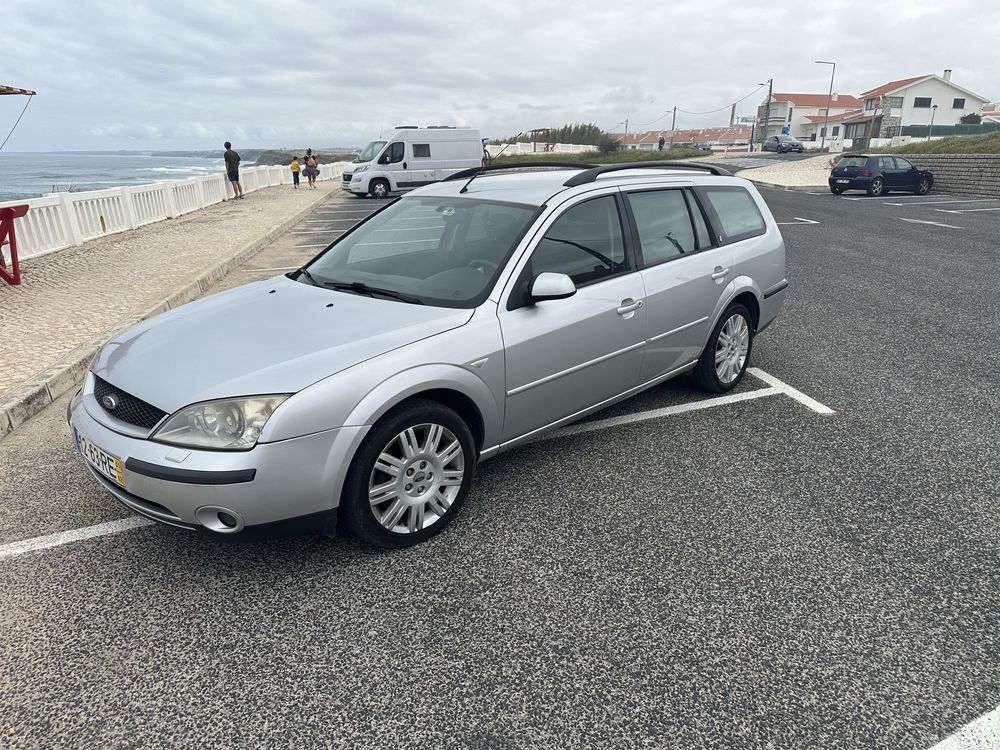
x=15 y=123
x=657 y=119
x=722 y=109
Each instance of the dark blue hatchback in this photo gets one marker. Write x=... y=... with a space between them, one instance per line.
x=877 y=175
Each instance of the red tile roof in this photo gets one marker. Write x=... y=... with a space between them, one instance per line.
x=888 y=88
x=816 y=100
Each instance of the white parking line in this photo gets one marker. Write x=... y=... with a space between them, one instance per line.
x=980 y=734
x=775 y=387
x=929 y=203
x=321 y=244
x=963 y=210
x=798 y=220
x=257 y=270
x=782 y=386
x=75 y=535
x=933 y=223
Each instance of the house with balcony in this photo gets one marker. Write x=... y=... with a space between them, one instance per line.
x=795 y=111
x=909 y=106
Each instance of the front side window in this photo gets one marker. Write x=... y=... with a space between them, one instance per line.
x=663 y=224
x=393 y=154
x=922 y=102
x=737 y=212
x=585 y=243
x=903 y=164
x=441 y=251
x=886 y=162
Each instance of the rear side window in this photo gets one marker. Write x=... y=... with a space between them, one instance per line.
x=738 y=215
x=663 y=224
x=421 y=151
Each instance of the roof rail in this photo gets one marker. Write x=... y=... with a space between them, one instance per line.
x=592 y=174
x=476 y=171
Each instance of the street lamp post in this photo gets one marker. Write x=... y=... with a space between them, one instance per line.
x=829 y=99
x=930 y=130
x=767 y=112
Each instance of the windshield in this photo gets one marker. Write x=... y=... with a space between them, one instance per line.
x=437 y=251
x=370 y=151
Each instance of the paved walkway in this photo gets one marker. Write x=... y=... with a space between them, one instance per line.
x=71 y=301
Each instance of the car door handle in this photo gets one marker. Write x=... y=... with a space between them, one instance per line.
x=629 y=305
x=719 y=272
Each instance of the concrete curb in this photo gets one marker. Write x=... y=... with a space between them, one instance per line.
x=793 y=188
x=24 y=401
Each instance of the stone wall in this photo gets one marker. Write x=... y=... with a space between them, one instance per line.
x=965 y=174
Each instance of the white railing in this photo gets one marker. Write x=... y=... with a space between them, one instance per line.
x=62 y=220
x=515 y=149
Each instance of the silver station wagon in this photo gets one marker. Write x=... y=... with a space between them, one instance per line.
x=464 y=319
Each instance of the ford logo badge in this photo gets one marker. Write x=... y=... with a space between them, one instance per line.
x=109 y=402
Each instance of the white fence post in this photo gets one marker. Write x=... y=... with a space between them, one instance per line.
x=128 y=210
x=170 y=199
x=68 y=216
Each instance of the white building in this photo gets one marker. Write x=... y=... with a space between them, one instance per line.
x=795 y=111
x=893 y=106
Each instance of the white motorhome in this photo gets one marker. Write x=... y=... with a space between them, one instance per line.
x=412 y=157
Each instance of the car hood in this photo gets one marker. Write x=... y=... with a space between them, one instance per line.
x=272 y=336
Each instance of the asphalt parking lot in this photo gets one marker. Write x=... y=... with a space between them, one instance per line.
x=810 y=562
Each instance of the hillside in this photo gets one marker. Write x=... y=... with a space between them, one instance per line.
x=284 y=156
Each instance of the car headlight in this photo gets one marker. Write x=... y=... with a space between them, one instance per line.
x=357 y=170
x=232 y=424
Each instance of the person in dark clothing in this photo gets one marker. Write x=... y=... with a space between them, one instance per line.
x=233 y=169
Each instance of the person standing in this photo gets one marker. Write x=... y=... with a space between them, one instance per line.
x=295 y=172
x=233 y=169
x=312 y=168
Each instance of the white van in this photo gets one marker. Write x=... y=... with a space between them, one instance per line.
x=410 y=158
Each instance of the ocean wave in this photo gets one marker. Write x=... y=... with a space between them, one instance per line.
x=185 y=170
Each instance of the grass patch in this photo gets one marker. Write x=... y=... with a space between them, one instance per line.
x=594 y=157
x=988 y=143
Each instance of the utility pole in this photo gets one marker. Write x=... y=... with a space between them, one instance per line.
x=673 y=126
x=829 y=100
x=625 y=141
x=767 y=112
x=732 y=116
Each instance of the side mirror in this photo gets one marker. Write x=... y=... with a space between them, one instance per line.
x=383 y=159
x=552 y=286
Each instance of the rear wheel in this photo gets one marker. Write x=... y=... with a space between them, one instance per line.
x=724 y=359
x=923 y=187
x=836 y=190
x=379 y=188
x=876 y=187
x=410 y=476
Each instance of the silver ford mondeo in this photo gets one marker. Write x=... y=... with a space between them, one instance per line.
x=463 y=319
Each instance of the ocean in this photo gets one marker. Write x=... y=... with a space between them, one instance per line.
x=26 y=175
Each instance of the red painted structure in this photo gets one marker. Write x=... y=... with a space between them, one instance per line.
x=7 y=237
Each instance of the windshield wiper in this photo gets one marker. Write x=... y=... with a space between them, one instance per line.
x=359 y=287
x=304 y=272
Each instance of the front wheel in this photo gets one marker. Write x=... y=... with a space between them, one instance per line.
x=379 y=188
x=923 y=187
x=727 y=353
x=410 y=476
x=876 y=187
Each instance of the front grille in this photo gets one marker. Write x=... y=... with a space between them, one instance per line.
x=128 y=408
x=347 y=177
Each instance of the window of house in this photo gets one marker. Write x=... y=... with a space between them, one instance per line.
x=890 y=102
x=585 y=243
x=870 y=103
x=836 y=130
x=790 y=110
x=958 y=104
x=421 y=151
x=822 y=132
x=663 y=224
x=922 y=102
x=737 y=213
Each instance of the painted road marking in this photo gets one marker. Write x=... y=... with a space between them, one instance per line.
x=798 y=395
x=321 y=244
x=775 y=387
x=798 y=220
x=929 y=203
x=932 y=223
x=38 y=543
x=258 y=270
x=963 y=210
x=980 y=734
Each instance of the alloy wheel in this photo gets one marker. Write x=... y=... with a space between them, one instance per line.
x=731 y=348
x=416 y=478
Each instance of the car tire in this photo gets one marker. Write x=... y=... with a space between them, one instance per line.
x=724 y=360
x=410 y=476
x=876 y=187
x=379 y=188
x=836 y=190
x=923 y=187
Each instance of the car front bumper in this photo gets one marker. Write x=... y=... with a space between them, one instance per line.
x=271 y=485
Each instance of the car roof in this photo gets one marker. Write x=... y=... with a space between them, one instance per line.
x=537 y=186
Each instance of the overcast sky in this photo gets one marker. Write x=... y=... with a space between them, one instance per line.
x=189 y=74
